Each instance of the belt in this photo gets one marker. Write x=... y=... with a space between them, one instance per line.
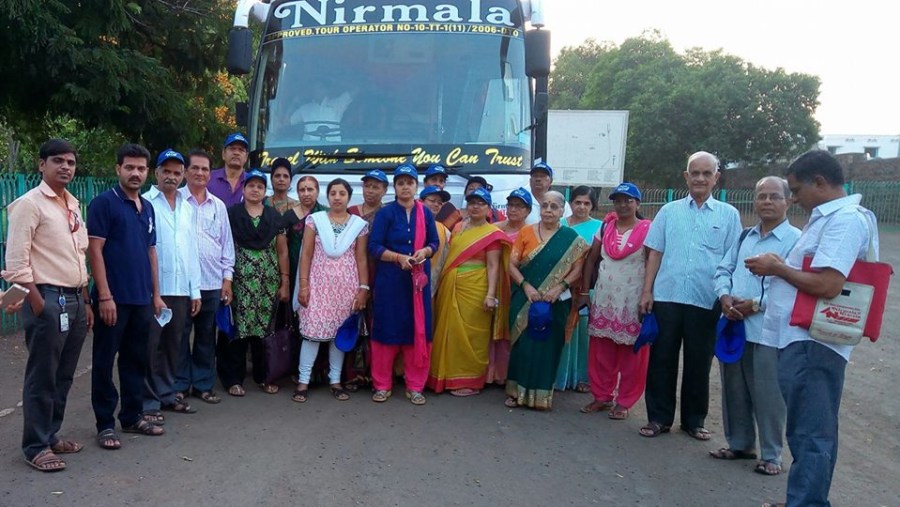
x=62 y=290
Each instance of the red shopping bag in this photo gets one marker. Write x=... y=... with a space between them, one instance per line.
x=874 y=274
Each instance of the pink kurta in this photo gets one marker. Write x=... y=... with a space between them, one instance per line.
x=333 y=284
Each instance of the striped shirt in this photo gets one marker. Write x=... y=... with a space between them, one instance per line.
x=215 y=244
x=734 y=279
x=692 y=241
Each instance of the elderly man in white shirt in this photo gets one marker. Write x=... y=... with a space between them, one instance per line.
x=751 y=397
x=810 y=372
x=179 y=286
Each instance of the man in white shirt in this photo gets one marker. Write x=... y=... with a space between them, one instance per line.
x=751 y=397
x=321 y=116
x=811 y=373
x=179 y=286
x=540 y=180
x=196 y=371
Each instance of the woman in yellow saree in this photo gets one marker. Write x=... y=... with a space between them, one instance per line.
x=546 y=259
x=466 y=301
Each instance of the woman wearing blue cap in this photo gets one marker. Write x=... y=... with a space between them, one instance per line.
x=403 y=239
x=467 y=300
x=617 y=261
x=546 y=259
x=518 y=206
x=572 y=372
x=260 y=274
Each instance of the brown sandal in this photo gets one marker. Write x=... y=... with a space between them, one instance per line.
x=237 y=390
x=66 y=447
x=46 y=461
x=142 y=427
x=618 y=413
x=269 y=388
x=654 y=429
x=597 y=406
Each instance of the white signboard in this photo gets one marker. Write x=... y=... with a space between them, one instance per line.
x=587 y=147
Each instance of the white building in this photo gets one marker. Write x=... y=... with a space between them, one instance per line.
x=872 y=146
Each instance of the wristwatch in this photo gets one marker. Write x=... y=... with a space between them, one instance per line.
x=755 y=306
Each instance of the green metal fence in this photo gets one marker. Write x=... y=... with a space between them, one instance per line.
x=13 y=185
x=882 y=197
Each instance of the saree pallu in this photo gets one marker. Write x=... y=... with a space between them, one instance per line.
x=533 y=364
x=463 y=330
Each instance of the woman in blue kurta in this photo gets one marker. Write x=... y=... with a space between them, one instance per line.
x=403 y=239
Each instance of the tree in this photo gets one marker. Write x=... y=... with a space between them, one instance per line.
x=148 y=69
x=681 y=103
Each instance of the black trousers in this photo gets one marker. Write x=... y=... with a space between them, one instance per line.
x=231 y=360
x=127 y=340
x=52 y=359
x=694 y=327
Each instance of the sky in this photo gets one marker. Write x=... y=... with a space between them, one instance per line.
x=852 y=47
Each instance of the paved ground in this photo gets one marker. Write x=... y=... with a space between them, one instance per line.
x=266 y=450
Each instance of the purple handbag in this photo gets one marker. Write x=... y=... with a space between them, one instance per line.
x=281 y=344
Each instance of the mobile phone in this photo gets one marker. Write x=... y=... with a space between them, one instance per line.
x=12 y=296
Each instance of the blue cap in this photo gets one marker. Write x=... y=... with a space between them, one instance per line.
x=480 y=193
x=481 y=181
x=255 y=173
x=237 y=137
x=541 y=166
x=540 y=320
x=406 y=170
x=431 y=189
x=629 y=189
x=376 y=174
x=435 y=169
x=524 y=195
x=169 y=154
x=224 y=320
x=649 y=332
x=348 y=333
x=730 y=339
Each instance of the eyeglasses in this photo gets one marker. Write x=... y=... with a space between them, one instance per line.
x=769 y=197
x=552 y=206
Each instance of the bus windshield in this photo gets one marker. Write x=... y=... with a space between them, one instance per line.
x=431 y=95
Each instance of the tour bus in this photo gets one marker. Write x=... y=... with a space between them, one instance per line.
x=340 y=87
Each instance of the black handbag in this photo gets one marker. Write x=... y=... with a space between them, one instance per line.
x=281 y=344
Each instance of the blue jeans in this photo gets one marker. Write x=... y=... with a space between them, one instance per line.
x=811 y=377
x=196 y=365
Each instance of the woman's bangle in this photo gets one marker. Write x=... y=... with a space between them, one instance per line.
x=585 y=293
x=364 y=286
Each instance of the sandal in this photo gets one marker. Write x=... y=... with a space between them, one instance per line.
x=142 y=427
x=730 y=454
x=511 y=402
x=237 y=390
x=208 y=396
x=180 y=406
x=582 y=387
x=339 y=393
x=596 y=406
x=46 y=461
x=154 y=417
x=381 y=396
x=109 y=439
x=654 y=429
x=700 y=433
x=300 y=395
x=767 y=468
x=269 y=388
x=462 y=393
x=415 y=397
x=618 y=413
x=66 y=447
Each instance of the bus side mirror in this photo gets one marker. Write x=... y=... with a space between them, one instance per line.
x=241 y=114
x=537 y=53
x=240 y=45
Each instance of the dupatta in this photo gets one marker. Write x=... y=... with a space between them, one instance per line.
x=543 y=268
x=420 y=280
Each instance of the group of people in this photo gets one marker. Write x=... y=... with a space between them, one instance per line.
x=540 y=298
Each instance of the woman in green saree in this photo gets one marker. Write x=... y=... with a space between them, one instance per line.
x=546 y=259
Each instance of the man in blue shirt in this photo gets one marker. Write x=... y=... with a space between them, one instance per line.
x=751 y=398
x=122 y=246
x=687 y=240
x=810 y=372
